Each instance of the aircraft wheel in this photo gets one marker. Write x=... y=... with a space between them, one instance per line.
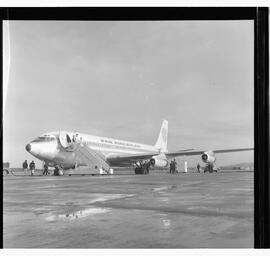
x=137 y=170
x=207 y=169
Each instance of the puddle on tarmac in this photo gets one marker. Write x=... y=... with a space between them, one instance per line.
x=165 y=220
x=78 y=214
x=242 y=189
x=198 y=208
x=164 y=199
x=106 y=197
x=166 y=223
x=161 y=188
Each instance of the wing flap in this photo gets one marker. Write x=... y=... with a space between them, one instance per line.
x=125 y=159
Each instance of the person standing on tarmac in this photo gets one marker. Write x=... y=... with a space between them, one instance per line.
x=147 y=167
x=198 y=167
x=25 y=166
x=174 y=166
x=171 y=167
x=32 y=167
x=56 y=171
x=45 y=172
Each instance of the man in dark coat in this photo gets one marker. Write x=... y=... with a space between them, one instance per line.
x=198 y=167
x=32 y=167
x=25 y=166
x=46 y=171
x=171 y=167
x=174 y=166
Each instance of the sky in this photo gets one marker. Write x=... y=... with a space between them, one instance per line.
x=120 y=79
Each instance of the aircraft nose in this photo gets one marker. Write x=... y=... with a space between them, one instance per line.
x=28 y=147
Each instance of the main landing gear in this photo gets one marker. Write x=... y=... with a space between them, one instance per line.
x=142 y=168
x=58 y=171
x=210 y=168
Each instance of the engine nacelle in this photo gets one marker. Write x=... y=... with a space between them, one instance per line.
x=159 y=162
x=208 y=157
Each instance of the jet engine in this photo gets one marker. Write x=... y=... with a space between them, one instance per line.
x=159 y=162
x=208 y=157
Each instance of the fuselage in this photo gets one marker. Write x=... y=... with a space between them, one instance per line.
x=50 y=148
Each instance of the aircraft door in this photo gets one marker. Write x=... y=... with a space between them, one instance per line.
x=65 y=139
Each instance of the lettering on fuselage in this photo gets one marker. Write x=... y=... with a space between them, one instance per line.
x=120 y=143
x=106 y=144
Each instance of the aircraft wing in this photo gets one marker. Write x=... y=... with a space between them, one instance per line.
x=199 y=152
x=128 y=159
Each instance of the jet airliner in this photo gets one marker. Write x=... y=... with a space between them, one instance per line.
x=72 y=149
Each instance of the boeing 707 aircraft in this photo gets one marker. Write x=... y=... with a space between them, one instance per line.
x=71 y=149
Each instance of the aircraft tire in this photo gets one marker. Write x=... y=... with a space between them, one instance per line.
x=207 y=169
x=137 y=171
x=140 y=171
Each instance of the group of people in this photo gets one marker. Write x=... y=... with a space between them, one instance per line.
x=173 y=167
x=32 y=167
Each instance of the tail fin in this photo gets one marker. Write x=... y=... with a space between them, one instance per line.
x=161 y=143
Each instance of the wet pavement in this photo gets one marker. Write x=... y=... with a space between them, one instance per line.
x=192 y=210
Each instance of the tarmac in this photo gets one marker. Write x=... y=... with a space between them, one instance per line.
x=185 y=210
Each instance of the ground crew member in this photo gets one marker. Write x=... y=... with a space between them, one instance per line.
x=171 y=167
x=147 y=166
x=32 y=167
x=56 y=171
x=46 y=171
x=198 y=167
x=25 y=166
x=174 y=166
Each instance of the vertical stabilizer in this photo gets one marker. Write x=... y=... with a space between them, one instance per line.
x=161 y=143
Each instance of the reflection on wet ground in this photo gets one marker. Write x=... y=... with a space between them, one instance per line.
x=77 y=214
x=154 y=211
